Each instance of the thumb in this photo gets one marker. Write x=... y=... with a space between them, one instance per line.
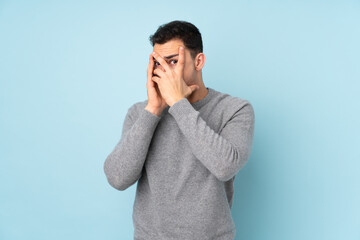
x=194 y=87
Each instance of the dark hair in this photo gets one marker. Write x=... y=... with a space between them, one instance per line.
x=182 y=30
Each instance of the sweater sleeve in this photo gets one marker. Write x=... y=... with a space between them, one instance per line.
x=223 y=154
x=123 y=166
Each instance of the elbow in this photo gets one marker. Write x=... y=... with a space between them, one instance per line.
x=115 y=183
x=120 y=180
x=236 y=161
x=113 y=176
x=225 y=176
x=120 y=184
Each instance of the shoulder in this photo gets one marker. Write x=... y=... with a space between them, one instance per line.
x=230 y=105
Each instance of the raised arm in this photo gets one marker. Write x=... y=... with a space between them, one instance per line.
x=123 y=166
x=223 y=154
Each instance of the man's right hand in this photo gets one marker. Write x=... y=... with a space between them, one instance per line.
x=156 y=104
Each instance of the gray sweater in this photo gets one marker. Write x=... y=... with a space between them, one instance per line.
x=185 y=162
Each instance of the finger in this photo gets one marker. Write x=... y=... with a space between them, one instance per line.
x=161 y=61
x=150 y=70
x=194 y=88
x=156 y=79
x=150 y=65
x=157 y=90
x=159 y=72
x=156 y=87
x=181 y=61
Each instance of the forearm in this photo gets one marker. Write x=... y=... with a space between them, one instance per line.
x=222 y=154
x=124 y=164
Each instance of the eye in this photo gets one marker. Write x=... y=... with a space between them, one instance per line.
x=174 y=61
x=157 y=64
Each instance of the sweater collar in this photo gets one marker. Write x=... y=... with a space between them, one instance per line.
x=204 y=100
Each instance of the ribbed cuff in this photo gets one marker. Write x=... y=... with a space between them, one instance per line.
x=181 y=108
x=148 y=117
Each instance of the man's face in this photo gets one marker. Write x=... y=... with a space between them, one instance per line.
x=169 y=51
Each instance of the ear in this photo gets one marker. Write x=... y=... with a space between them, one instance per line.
x=199 y=61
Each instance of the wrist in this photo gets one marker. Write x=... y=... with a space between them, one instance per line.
x=153 y=110
x=175 y=100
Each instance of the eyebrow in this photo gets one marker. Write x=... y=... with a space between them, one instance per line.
x=170 y=56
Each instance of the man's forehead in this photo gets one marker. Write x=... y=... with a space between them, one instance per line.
x=167 y=51
x=169 y=48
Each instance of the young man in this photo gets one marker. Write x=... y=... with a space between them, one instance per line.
x=184 y=145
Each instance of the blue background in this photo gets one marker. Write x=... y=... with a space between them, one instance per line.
x=69 y=71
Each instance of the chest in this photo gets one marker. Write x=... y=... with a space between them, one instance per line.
x=170 y=152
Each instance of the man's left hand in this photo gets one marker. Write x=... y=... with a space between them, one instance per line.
x=171 y=82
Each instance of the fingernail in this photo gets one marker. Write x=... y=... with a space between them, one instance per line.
x=153 y=53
